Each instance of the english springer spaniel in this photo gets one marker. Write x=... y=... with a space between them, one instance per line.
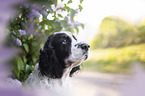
x=59 y=59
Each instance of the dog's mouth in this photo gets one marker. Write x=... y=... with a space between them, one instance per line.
x=77 y=62
x=86 y=56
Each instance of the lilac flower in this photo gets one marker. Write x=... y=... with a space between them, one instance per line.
x=13 y=83
x=14 y=32
x=57 y=20
x=54 y=8
x=22 y=32
x=43 y=12
x=26 y=5
x=39 y=27
x=18 y=41
x=35 y=13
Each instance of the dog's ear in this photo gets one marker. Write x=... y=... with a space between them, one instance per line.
x=48 y=63
x=75 y=69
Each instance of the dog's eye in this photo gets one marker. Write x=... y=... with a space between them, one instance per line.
x=64 y=42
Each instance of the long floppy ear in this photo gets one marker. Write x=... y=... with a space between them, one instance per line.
x=48 y=63
x=75 y=69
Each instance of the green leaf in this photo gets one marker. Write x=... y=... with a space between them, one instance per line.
x=63 y=23
x=17 y=32
x=73 y=12
x=59 y=15
x=77 y=29
x=81 y=1
x=80 y=7
x=55 y=3
x=28 y=68
x=26 y=47
x=19 y=63
x=61 y=0
x=34 y=44
x=72 y=31
x=67 y=8
x=24 y=59
x=16 y=71
x=34 y=59
x=82 y=26
x=70 y=1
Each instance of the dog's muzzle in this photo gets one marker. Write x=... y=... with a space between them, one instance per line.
x=83 y=46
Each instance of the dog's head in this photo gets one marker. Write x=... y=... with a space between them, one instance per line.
x=61 y=51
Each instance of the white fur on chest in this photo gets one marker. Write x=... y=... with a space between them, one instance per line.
x=48 y=86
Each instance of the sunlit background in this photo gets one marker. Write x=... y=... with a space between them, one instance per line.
x=115 y=30
x=94 y=11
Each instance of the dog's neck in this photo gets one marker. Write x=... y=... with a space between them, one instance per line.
x=37 y=80
x=66 y=73
x=52 y=87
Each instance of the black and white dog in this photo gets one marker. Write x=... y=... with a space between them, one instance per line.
x=59 y=59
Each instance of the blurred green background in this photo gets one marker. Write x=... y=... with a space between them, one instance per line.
x=117 y=46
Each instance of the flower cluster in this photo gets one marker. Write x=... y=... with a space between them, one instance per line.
x=18 y=34
x=35 y=21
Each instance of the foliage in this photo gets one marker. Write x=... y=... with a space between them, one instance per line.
x=122 y=45
x=34 y=22
x=116 y=32
x=115 y=60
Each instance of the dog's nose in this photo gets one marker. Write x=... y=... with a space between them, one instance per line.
x=84 y=46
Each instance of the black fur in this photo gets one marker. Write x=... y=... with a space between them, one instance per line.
x=51 y=58
x=74 y=70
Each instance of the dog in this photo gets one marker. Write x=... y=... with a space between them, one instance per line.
x=59 y=59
